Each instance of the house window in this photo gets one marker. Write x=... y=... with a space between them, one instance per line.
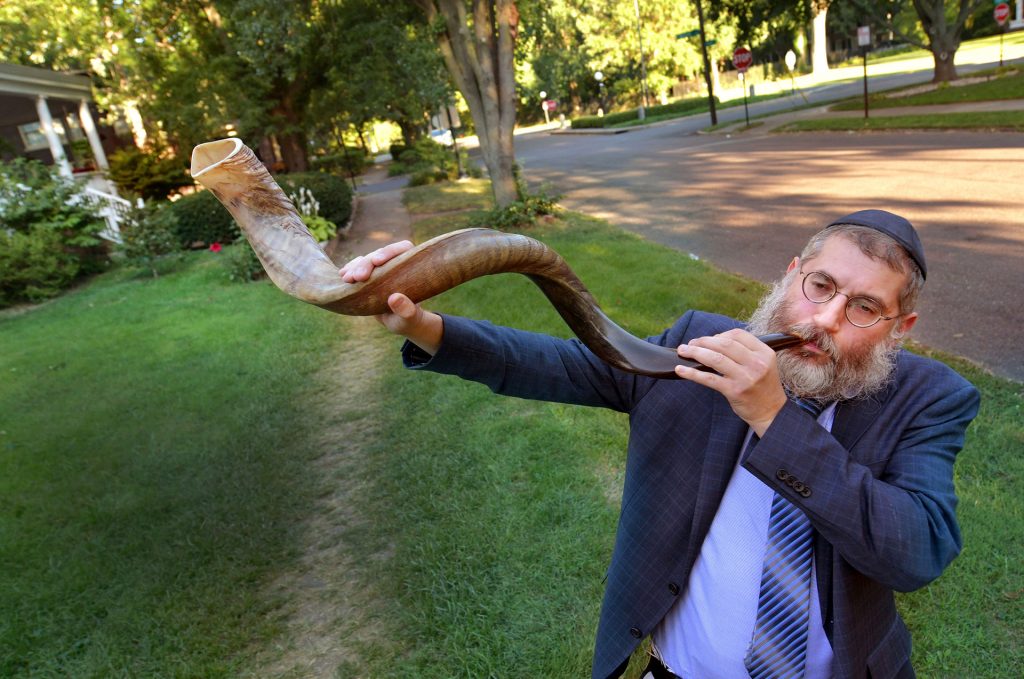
x=34 y=139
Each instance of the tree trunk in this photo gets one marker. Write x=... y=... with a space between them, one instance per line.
x=290 y=135
x=943 y=33
x=819 y=55
x=293 y=151
x=945 y=69
x=478 y=54
x=409 y=132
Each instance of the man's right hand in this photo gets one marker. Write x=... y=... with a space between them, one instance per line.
x=423 y=328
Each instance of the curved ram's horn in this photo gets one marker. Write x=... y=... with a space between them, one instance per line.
x=297 y=265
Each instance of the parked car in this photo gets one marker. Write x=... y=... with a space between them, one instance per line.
x=442 y=136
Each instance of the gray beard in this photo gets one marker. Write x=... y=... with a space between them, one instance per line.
x=843 y=377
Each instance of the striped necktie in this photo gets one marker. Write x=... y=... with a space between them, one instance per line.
x=778 y=649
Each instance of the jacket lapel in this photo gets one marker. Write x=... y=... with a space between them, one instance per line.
x=854 y=417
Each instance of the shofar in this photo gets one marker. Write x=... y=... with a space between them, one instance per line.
x=294 y=261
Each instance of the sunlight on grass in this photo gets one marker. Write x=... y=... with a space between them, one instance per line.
x=981 y=120
x=465 y=194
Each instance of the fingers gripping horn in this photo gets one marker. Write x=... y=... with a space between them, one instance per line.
x=297 y=265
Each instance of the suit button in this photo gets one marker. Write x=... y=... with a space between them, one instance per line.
x=635 y=632
x=806 y=492
x=674 y=588
x=799 y=487
x=782 y=475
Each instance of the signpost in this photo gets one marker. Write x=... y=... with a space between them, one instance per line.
x=742 y=59
x=864 y=40
x=1002 y=15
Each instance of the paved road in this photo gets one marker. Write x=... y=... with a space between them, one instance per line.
x=748 y=203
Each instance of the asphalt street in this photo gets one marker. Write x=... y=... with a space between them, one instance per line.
x=748 y=202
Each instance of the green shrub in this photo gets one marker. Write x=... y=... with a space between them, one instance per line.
x=148 y=238
x=321 y=228
x=427 y=162
x=396 y=150
x=34 y=266
x=199 y=219
x=242 y=263
x=523 y=212
x=332 y=192
x=610 y=119
x=32 y=198
x=353 y=161
x=153 y=175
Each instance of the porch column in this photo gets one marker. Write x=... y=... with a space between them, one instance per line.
x=94 y=138
x=1018 y=20
x=56 y=150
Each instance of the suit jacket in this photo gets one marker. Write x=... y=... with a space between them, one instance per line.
x=878 y=488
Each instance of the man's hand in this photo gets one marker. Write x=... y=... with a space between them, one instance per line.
x=747 y=377
x=425 y=329
x=422 y=328
x=360 y=268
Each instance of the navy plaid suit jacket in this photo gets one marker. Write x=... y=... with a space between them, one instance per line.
x=881 y=498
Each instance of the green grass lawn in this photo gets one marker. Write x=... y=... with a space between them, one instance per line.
x=156 y=456
x=153 y=466
x=1011 y=121
x=1006 y=83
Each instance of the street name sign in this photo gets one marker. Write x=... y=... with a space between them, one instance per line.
x=688 y=34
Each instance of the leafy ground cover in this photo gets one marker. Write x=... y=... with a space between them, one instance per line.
x=980 y=120
x=160 y=461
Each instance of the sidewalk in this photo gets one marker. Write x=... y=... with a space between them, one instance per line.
x=379 y=217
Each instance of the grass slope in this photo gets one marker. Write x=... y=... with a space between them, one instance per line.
x=1011 y=121
x=1000 y=84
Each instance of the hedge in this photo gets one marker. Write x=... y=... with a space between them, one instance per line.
x=332 y=192
x=199 y=219
x=681 y=106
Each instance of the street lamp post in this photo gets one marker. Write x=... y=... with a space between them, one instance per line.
x=599 y=77
x=544 y=105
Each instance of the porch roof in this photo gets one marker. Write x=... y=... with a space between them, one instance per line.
x=31 y=81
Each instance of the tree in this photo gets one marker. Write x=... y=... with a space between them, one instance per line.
x=819 y=41
x=478 y=48
x=934 y=25
x=385 y=65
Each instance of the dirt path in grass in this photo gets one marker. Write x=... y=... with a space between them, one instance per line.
x=327 y=614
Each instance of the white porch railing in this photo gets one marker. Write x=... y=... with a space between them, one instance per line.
x=113 y=209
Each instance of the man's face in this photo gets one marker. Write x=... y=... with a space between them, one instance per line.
x=840 y=360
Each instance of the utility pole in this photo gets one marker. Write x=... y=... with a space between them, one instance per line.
x=707 y=64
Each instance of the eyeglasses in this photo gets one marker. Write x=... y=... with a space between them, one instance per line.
x=863 y=312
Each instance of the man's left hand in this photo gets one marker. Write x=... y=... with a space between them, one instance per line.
x=747 y=374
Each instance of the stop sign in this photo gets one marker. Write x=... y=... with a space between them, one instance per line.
x=742 y=59
x=1001 y=13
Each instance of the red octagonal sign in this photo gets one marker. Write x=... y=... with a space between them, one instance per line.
x=742 y=59
x=1001 y=13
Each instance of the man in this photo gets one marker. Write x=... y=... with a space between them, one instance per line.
x=756 y=539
